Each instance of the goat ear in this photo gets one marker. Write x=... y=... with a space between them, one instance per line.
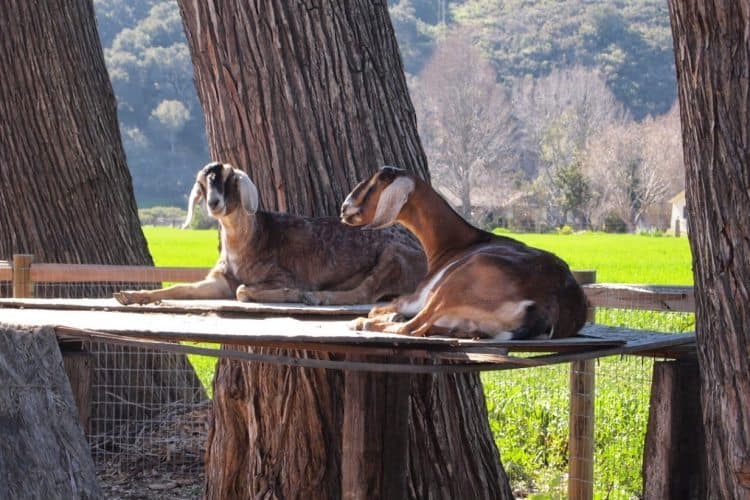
x=195 y=197
x=248 y=192
x=391 y=201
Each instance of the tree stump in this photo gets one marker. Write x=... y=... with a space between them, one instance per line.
x=43 y=452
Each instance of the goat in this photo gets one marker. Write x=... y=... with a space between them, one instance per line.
x=478 y=284
x=276 y=257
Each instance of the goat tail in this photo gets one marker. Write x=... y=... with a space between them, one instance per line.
x=535 y=323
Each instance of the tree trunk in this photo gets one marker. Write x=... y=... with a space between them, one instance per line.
x=66 y=194
x=43 y=452
x=712 y=56
x=309 y=101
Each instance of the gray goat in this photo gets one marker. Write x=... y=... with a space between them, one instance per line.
x=276 y=257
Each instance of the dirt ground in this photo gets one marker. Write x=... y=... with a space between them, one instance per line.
x=173 y=485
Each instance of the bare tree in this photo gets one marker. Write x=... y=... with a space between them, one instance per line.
x=712 y=56
x=627 y=178
x=465 y=122
x=560 y=113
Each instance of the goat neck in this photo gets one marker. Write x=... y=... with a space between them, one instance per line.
x=237 y=229
x=441 y=231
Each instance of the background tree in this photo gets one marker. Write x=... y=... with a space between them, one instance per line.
x=67 y=195
x=465 y=122
x=560 y=113
x=713 y=59
x=309 y=102
x=633 y=167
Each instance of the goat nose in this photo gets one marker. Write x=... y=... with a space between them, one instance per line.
x=213 y=203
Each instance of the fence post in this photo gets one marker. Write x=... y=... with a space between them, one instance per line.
x=581 y=417
x=23 y=287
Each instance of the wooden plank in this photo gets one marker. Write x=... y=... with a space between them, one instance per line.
x=649 y=297
x=273 y=330
x=192 y=307
x=386 y=367
x=22 y=283
x=79 y=367
x=674 y=451
x=77 y=273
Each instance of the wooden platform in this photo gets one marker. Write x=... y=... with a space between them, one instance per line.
x=322 y=329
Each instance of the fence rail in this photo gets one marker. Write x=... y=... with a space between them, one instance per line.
x=608 y=295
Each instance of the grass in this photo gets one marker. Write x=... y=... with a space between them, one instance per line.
x=528 y=408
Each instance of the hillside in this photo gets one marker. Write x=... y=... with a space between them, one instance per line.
x=628 y=42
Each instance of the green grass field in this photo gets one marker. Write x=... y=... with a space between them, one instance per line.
x=528 y=408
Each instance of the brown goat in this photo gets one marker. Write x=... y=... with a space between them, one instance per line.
x=477 y=283
x=275 y=257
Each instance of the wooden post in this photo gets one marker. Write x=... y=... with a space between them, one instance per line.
x=674 y=453
x=375 y=435
x=22 y=285
x=581 y=417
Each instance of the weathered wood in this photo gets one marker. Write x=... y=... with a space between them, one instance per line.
x=42 y=447
x=674 y=457
x=6 y=271
x=649 y=297
x=581 y=430
x=282 y=330
x=581 y=417
x=82 y=273
x=712 y=59
x=375 y=435
x=22 y=285
x=79 y=367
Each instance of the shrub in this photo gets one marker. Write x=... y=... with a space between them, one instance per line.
x=566 y=229
x=614 y=224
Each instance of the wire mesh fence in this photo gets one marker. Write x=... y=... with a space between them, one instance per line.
x=149 y=409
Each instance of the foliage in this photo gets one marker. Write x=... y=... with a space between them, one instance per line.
x=160 y=117
x=161 y=216
x=465 y=123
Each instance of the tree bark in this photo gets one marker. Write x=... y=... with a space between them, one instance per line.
x=712 y=56
x=43 y=452
x=309 y=99
x=67 y=195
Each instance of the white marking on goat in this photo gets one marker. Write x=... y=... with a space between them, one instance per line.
x=195 y=197
x=412 y=308
x=391 y=201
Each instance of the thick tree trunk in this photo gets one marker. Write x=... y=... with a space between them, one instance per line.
x=66 y=194
x=309 y=100
x=712 y=56
x=43 y=452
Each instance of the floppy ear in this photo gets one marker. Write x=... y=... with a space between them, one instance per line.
x=391 y=201
x=248 y=192
x=195 y=197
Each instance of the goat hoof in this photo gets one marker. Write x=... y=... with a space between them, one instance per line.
x=242 y=294
x=122 y=298
x=358 y=324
